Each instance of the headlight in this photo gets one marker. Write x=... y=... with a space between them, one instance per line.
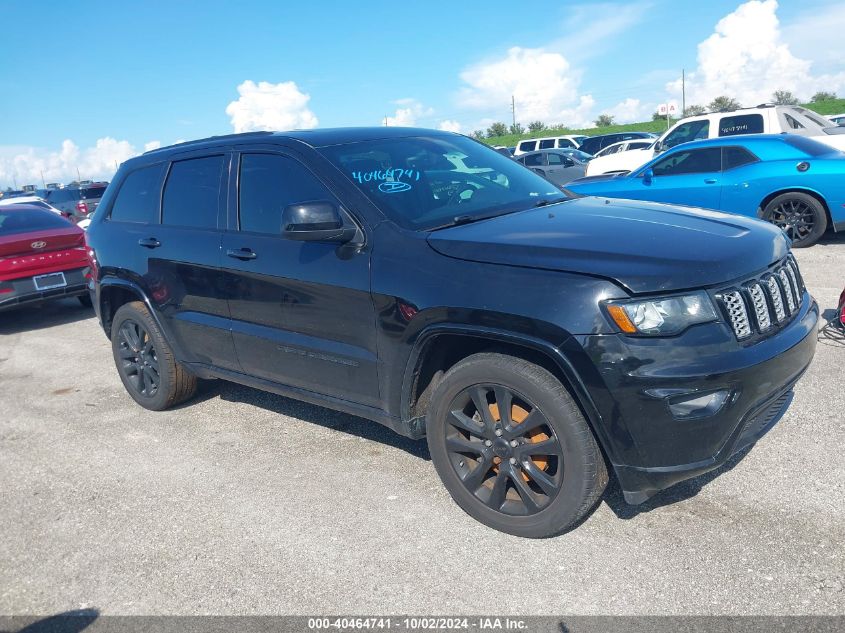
x=663 y=316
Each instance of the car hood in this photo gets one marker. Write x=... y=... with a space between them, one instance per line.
x=644 y=246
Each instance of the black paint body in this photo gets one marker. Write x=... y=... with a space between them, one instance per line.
x=349 y=326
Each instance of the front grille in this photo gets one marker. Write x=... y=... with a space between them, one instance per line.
x=758 y=305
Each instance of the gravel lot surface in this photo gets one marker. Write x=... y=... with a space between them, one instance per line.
x=246 y=502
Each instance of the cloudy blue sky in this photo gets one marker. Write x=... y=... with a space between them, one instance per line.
x=86 y=85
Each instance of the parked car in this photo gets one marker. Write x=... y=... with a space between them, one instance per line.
x=33 y=201
x=553 y=165
x=764 y=119
x=792 y=181
x=623 y=146
x=42 y=256
x=77 y=201
x=550 y=142
x=537 y=341
x=594 y=144
x=837 y=119
x=577 y=154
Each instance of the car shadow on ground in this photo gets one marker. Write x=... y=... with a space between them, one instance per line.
x=43 y=315
x=334 y=420
x=66 y=622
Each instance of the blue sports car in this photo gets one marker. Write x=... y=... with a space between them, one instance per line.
x=792 y=181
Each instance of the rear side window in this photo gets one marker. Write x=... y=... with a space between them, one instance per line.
x=267 y=184
x=565 y=142
x=742 y=124
x=809 y=146
x=736 y=157
x=527 y=146
x=535 y=160
x=192 y=193
x=139 y=197
x=547 y=143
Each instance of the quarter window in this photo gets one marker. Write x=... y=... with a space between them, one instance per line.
x=139 y=197
x=741 y=124
x=268 y=184
x=736 y=157
x=192 y=193
x=527 y=146
x=547 y=143
x=690 y=162
x=535 y=160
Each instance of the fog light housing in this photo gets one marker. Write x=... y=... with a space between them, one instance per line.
x=698 y=405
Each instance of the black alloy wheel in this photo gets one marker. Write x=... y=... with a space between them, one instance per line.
x=503 y=449
x=800 y=216
x=139 y=360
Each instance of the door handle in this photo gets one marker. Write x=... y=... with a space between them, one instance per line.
x=149 y=242
x=710 y=181
x=241 y=253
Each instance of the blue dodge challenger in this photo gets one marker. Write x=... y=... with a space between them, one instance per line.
x=792 y=181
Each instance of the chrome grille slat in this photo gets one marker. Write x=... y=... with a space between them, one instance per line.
x=777 y=299
x=773 y=298
x=761 y=308
x=787 y=290
x=737 y=313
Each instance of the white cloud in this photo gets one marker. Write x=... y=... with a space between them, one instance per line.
x=543 y=83
x=448 y=125
x=268 y=106
x=629 y=111
x=26 y=165
x=748 y=59
x=408 y=113
x=148 y=147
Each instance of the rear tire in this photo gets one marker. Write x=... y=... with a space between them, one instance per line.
x=145 y=362
x=801 y=216
x=542 y=471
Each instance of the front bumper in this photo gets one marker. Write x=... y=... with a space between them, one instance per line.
x=649 y=447
x=23 y=290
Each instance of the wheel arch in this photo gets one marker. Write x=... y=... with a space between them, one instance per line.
x=810 y=192
x=441 y=347
x=113 y=292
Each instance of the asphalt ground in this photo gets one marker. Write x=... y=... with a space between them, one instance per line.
x=243 y=502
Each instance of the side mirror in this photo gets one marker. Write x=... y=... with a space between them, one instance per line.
x=315 y=222
x=648 y=176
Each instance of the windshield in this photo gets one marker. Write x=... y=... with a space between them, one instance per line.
x=425 y=182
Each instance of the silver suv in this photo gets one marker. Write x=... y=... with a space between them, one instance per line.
x=78 y=202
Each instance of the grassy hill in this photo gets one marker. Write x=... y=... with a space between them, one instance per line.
x=834 y=106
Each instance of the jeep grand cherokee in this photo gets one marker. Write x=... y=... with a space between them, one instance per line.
x=538 y=340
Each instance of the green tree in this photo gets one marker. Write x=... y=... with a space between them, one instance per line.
x=536 y=126
x=821 y=95
x=694 y=110
x=656 y=116
x=724 y=104
x=478 y=134
x=604 y=120
x=497 y=129
x=516 y=128
x=784 y=97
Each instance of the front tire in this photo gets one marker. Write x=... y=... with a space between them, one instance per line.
x=512 y=447
x=801 y=216
x=145 y=362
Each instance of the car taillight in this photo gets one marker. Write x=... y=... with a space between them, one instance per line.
x=82 y=207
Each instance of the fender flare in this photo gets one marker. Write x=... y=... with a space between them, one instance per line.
x=554 y=353
x=134 y=288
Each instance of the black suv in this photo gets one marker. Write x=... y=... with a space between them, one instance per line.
x=594 y=144
x=538 y=340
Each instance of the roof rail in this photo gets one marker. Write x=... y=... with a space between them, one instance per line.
x=220 y=137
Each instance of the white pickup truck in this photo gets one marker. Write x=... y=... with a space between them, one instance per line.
x=764 y=119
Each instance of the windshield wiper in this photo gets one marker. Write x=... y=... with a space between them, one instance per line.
x=467 y=219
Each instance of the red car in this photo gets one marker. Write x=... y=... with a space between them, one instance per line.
x=42 y=256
